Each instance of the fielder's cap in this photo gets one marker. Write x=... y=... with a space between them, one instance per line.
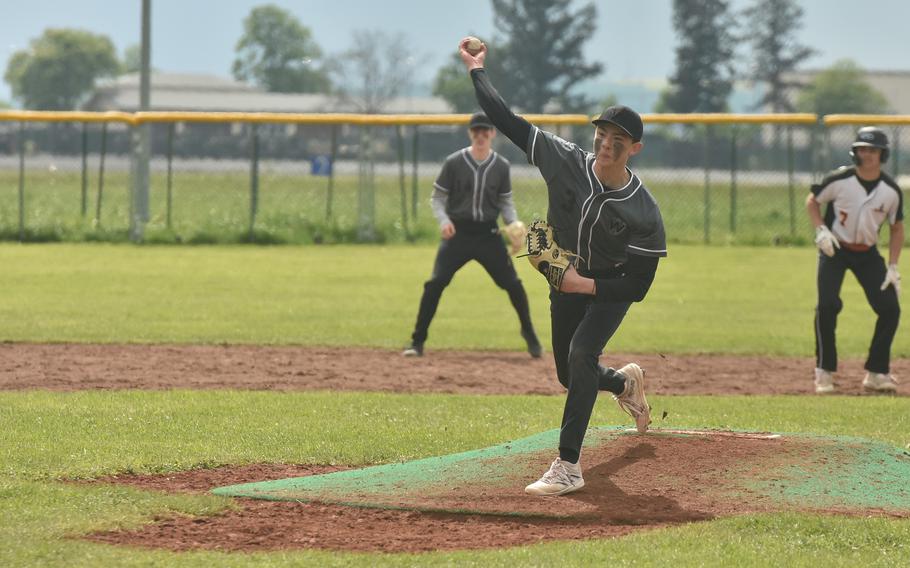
x=480 y=120
x=623 y=117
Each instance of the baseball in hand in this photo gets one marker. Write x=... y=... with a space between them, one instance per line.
x=473 y=46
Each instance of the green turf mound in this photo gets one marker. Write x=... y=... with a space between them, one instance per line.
x=665 y=474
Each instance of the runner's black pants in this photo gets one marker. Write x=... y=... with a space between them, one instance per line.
x=480 y=242
x=581 y=329
x=870 y=270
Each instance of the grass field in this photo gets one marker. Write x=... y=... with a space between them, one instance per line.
x=705 y=299
x=714 y=299
x=215 y=208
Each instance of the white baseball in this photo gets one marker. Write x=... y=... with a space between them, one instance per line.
x=473 y=46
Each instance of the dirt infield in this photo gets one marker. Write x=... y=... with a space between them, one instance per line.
x=69 y=367
x=647 y=484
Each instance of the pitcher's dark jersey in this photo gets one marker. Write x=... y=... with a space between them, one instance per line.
x=601 y=225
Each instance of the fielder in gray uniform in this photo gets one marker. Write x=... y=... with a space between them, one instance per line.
x=860 y=199
x=602 y=212
x=472 y=191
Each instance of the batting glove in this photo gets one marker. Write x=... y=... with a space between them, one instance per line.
x=892 y=278
x=825 y=240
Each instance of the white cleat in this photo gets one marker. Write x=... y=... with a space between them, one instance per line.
x=562 y=477
x=824 y=381
x=880 y=382
x=632 y=400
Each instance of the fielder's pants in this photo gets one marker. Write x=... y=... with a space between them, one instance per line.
x=870 y=270
x=484 y=245
x=581 y=329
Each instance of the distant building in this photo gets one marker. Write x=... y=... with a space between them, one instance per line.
x=191 y=92
x=208 y=93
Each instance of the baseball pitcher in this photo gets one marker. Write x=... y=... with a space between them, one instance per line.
x=599 y=250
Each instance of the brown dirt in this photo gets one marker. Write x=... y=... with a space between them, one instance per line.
x=67 y=367
x=643 y=483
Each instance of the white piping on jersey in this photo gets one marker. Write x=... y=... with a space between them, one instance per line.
x=586 y=205
x=589 y=171
x=476 y=209
x=534 y=145
x=646 y=250
x=470 y=163
x=440 y=188
x=483 y=184
x=600 y=209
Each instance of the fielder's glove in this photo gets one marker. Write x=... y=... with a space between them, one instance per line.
x=516 y=233
x=825 y=240
x=545 y=255
x=892 y=278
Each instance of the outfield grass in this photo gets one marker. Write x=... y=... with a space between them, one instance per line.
x=757 y=300
x=213 y=207
x=44 y=436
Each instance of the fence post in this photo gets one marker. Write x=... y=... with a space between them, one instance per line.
x=790 y=185
x=84 y=168
x=254 y=177
x=103 y=152
x=896 y=153
x=707 y=164
x=366 y=205
x=139 y=182
x=170 y=170
x=414 y=181
x=329 y=194
x=733 y=167
x=21 y=181
x=401 y=181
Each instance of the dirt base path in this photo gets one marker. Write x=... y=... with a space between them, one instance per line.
x=67 y=367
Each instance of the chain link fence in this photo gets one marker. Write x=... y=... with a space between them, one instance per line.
x=228 y=179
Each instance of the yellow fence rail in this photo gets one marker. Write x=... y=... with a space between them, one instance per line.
x=388 y=119
x=434 y=119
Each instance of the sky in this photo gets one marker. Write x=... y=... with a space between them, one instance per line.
x=634 y=39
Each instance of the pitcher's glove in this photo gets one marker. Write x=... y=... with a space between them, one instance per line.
x=516 y=232
x=545 y=255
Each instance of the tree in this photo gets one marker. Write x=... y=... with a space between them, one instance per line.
x=59 y=68
x=278 y=53
x=841 y=89
x=703 y=77
x=454 y=85
x=132 y=59
x=771 y=26
x=377 y=68
x=541 y=54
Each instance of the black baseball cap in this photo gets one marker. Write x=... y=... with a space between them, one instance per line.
x=623 y=117
x=480 y=120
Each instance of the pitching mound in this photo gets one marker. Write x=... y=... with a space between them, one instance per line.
x=476 y=499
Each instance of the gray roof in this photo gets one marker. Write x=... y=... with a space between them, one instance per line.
x=188 y=92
